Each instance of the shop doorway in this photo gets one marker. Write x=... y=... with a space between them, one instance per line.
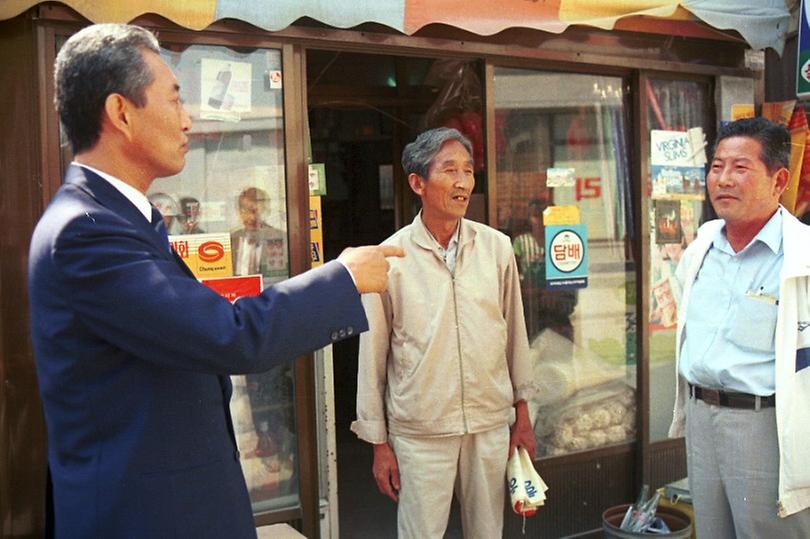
x=363 y=109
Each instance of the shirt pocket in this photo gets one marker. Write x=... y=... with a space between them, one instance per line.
x=754 y=326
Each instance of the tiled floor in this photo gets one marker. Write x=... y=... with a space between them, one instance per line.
x=364 y=512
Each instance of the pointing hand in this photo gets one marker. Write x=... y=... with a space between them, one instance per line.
x=368 y=265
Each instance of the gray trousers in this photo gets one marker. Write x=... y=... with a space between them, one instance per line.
x=733 y=462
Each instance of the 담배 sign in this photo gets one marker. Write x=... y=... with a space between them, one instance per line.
x=566 y=256
x=677 y=159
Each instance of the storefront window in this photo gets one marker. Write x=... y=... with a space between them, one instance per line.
x=232 y=194
x=677 y=119
x=563 y=196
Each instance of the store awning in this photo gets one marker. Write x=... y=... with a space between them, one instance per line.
x=762 y=23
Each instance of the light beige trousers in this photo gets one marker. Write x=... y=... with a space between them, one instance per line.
x=432 y=468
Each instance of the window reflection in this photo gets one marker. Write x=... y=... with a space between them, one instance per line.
x=257 y=246
x=676 y=211
x=561 y=143
x=232 y=190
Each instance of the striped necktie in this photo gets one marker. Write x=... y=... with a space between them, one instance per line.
x=160 y=228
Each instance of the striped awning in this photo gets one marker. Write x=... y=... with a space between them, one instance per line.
x=762 y=23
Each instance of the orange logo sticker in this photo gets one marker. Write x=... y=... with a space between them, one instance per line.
x=210 y=251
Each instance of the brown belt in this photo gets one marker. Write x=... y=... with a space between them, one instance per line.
x=730 y=399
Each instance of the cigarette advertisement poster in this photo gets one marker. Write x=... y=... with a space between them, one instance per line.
x=740 y=111
x=316 y=230
x=206 y=255
x=668 y=221
x=677 y=159
x=665 y=313
x=566 y=256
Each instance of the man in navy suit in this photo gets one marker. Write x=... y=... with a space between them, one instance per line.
x=133 y=354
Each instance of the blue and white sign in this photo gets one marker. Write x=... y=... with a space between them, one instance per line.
x=566 y=256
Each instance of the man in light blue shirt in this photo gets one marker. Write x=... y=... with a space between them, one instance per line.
x=730 y=277
x=732 y=314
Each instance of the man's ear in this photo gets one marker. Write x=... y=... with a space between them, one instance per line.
x=417 y=183
x=782 y=179
x=117 y=115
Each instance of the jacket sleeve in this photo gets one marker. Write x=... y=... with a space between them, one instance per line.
x=375 y=348
x=140 y=301
x=517 y=341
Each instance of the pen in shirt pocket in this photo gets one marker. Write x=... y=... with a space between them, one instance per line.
x=761 y=295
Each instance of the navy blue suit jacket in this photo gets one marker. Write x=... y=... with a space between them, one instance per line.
x=133 y=354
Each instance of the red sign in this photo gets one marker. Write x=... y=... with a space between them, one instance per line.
x=233 y=288
x=588 y=188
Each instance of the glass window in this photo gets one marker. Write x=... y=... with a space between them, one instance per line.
x=562 y=166
x=233 y=192
x=676 y=210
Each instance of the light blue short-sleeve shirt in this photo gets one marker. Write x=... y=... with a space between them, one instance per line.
x=731 y=318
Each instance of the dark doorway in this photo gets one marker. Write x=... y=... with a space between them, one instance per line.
x=363 y=109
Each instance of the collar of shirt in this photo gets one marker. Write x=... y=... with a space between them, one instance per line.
x=770 y=234
x=452 y=245
x=449 y=254
x=133 y=195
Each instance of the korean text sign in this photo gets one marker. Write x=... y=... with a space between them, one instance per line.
x=566 y=256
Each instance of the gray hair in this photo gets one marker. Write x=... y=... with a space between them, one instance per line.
x=100 y=60
x=417 y=155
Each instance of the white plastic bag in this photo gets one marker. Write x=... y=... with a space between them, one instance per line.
x=526 y=488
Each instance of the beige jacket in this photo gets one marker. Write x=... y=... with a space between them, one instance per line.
x=445 y=354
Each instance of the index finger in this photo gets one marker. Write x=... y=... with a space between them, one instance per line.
x=391 y=250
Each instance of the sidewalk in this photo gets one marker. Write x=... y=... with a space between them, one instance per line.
x=278 y=531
